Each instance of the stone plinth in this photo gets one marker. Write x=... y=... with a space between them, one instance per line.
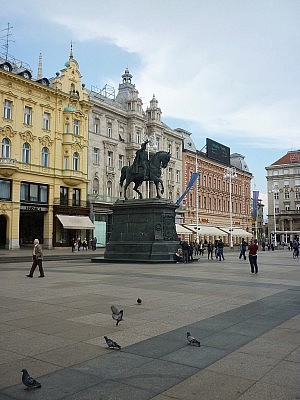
x=142 y=230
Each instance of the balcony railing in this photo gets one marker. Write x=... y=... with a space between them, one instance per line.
x=8 y=166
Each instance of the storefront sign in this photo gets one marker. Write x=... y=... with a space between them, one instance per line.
x=34 y=208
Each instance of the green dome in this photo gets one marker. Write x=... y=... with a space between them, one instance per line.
x=70 y=109
x=67 y=64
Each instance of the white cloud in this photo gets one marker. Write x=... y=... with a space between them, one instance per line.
x=231 y=68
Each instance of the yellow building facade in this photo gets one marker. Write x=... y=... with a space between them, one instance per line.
x=43 y=160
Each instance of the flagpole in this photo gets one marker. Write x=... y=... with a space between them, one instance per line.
x=197 y=199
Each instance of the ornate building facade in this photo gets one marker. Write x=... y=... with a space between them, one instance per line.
x=283 y=180
x=118 y=125
x=209 y=199
x=43 y=163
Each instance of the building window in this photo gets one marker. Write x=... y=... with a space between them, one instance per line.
x=5 y=151
x=96 y=156
x=27 y=115
x=170 y=196
x=276 y=210
x=26 y=153
x=33 y=192
x=76 y=197
x=7 y=111
x=76 y=127
x=5 y=189
x=64 y=196
x=109 y=129
x=170 y=174
x=121 y=161
x=157 y=143
x=67 y=128
x=298 y=207
x=75 y=161
x=109 y=189
x=204 y=181
x=97 y=126
x=45 y=157
x=95 y=186
x=276 y=195
x=286 y=195
x=177 y=176
x=110 y=158
x=297 y=195
x=66 y=162
x=138 y=136
x=287 y=207
x=46 y=121
x=177 y=152
x=170 y=148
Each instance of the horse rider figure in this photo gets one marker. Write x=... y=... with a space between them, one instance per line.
x=141 y=161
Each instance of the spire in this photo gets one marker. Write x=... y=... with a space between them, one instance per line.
x=40 y=67
x=126 y=77
x=71 y=51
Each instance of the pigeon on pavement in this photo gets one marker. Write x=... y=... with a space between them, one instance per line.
x=117 y=315
x=191 y=340
x=139 y=301
x=111 y=343
x=29 y=381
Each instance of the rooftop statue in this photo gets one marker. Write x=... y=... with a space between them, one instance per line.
x=143 y=169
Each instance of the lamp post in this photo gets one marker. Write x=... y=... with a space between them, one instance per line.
x=230 y=173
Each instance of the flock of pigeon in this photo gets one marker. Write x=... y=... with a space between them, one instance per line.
x=117 y=315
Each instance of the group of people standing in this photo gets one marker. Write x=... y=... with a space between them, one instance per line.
x=76 y=244
x=184 y=254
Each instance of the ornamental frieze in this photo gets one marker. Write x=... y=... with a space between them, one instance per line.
x=27 y=136
x=46 y=141
x=77 y=147
x=7 y=131
x=4 y=207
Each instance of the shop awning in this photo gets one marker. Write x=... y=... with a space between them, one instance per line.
x=237 y=232
x=75 y=222
x=181 y=230
x=206 y=230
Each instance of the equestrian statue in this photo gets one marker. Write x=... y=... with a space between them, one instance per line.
x=143 y=169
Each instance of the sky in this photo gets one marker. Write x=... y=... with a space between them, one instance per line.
x=221 y=69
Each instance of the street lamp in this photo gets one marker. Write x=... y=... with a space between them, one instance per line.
x=274 y=191
x=230 y=173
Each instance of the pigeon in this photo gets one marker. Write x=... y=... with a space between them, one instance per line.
x=191 y=340
x=117 y=314
x=29 y=381
x=139 y=301
x=112 y=344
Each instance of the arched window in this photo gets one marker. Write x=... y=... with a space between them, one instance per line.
x=5 y=148
x=96 y=186
x=26 y=153
x=75 y=161
x=45 y=157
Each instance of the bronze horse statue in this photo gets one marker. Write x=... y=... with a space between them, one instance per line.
x=156 y=162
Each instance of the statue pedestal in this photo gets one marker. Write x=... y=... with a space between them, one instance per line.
x=142 y=231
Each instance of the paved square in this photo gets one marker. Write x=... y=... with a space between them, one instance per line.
x=248 y=325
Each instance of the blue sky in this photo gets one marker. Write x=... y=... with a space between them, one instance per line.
x=227 y=70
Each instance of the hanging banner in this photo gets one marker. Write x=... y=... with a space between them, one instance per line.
x=255 y=203
x=193 y=179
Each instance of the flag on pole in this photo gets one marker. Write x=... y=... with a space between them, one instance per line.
x=255 y=203
x=193 y=179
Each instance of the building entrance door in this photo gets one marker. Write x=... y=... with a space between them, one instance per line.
x=3 y=231
x=31 y=227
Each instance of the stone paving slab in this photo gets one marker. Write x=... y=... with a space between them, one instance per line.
x=248 y=326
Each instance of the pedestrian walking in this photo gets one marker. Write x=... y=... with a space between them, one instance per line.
x=210 y=249
x=185 y=251
x=220 y=246
x=243 y=248
x=37 y=256
x=253 y=247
